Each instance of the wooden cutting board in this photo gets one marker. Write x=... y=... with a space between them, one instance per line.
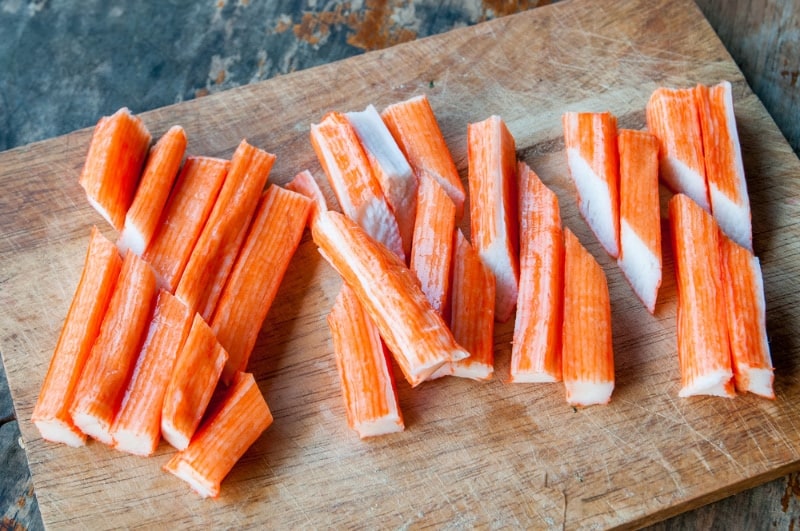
x=473 y=453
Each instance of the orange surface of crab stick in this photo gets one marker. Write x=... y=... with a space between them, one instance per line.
x=746 y=311
x=184 y=216
x=193 y=380
x=160 y=171
x=110 y=364
x=592 y=157
x=587 y=355
x=493 y=207
x=704 y=351
x=304 y=183
x=536 y=347
x=727 y=186
x=365 y=373
x=416 y=131
x=137 y=426
x=100 y=271
x=672 y=116
x=113 y=164
x=222 y=440
x=415 y=333
x=215 y=251
x=259 y=269
x=640 y=221
x=351 y=177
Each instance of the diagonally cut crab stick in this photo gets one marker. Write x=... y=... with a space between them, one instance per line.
x=101 y=268
x=304 y=183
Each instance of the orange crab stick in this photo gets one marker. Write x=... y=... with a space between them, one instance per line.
x=259 y=269
x=704 y=349
x=493 y=207
x=141 y=220
x=413 y=125
x=113 y=164
x=231 y=429
x=108 y=369
x=587 y=352
x=592 y=157
x=536 y=348
x=305 y=184
x=640 y=222
x=100 y=271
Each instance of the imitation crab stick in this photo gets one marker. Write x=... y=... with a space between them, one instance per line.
x=672 y=116
x=587 y=354
x=704 y=351
x=100 y=271
x=215 y=251
x=727 y=186
x=591 y=143
x=640 y=222
x=365 y=373
x=536 y=347
x=137 y=426
x=113 y=164
x=413 y=125
x=184 y=216
x=160 y=171
x=259 y=269
x=493 y=207
x=108 y=369
x=304 y=183
x=415 y=333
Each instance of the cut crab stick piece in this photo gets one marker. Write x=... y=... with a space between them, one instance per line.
x=184 y=216
x=231 y=429
x=101 y=269
x=351 y=177
x=416 y=131
x=365 y=373
x=722 y=154
x=194 y=378
x=137 y=426
x=493 y=207
x=259 y=269
x=215 y=251
x=108 y=369
x=415 y=333
x=593 y=161
x=587 y=351
x=746 y=312
x=673 y=118
x=536 y=347
x=305 y=184
x=704 y=351
x=114 y=163
x=160 y=171
x=640 y=222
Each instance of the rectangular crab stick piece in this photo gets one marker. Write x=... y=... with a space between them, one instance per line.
x=704 y=351
x=416 y=131
x=232 y=428
x=184 y=216
x=160 y=171
x=260 y=267
x=114 y=163
x=108 y=369
x=305 y=184
x=591 y=142
x=493 y=207
x=137 y=426
x=587 y=355
x=640 y=221
x=213 y=255
x=673 y=117
x=727 y=186
x=415 y=333
x=536 y=347
x=195 y=375
x=101 y=268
